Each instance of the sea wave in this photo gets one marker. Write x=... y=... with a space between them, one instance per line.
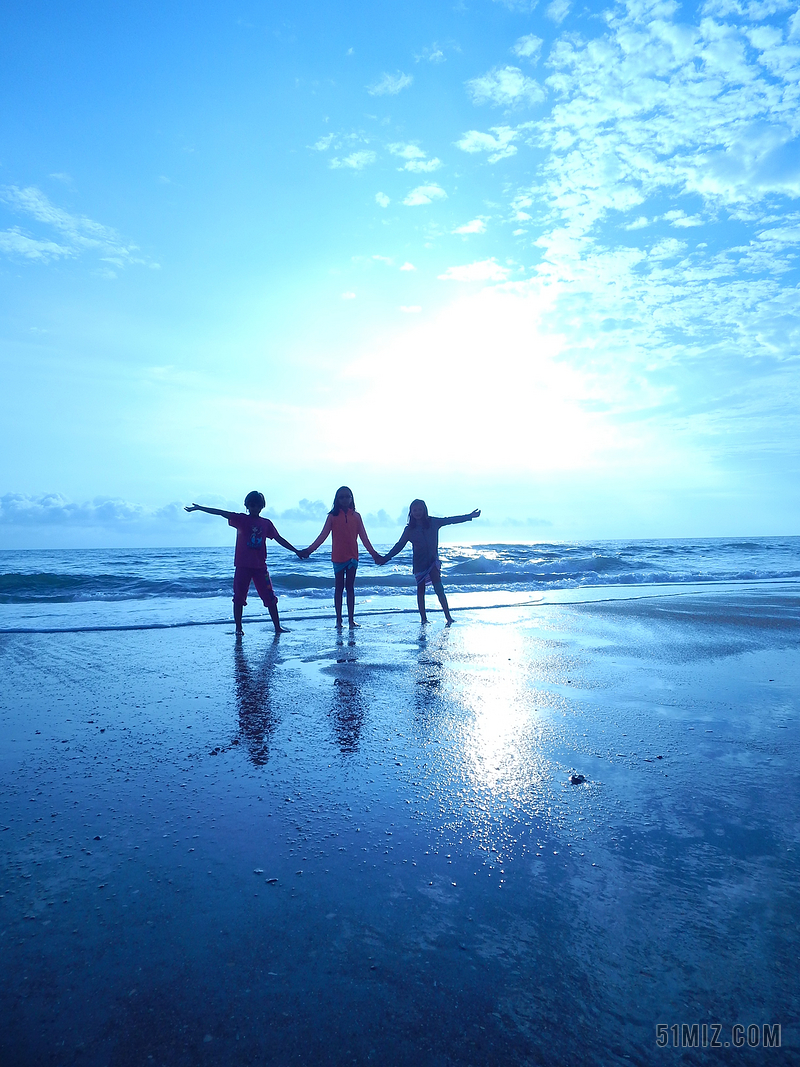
x=53 y=588
x=594 y=564
x=474 y=574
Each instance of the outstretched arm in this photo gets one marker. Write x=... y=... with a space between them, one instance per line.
x=326 y=529
x=210 y=511
x=398 y=547
x=453 y=519
x=362 y=533
x=285 y=544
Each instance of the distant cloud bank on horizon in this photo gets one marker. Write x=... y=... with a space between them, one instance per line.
x=115 y=514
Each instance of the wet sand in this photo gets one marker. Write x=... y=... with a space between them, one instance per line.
x=370 y=850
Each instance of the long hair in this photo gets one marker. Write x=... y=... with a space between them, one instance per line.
x=412 y=522
x=336 y=509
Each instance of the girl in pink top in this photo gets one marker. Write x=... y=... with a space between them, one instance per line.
x=345 y=524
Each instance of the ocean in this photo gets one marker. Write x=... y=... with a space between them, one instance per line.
x=42 y=590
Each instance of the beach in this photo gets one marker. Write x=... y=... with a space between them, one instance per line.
x=532 y=837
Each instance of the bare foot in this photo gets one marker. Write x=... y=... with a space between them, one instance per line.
x=240 y=632
x=282 y=630
x=424 y=620
x=353 y=624
x=449 y=620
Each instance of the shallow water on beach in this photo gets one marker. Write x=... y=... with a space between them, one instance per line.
x=367 y=847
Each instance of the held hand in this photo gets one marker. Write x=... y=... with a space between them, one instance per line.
x=379 y=560
x=475 y=514
x=303 y=553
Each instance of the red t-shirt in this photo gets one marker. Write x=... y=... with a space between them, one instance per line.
x=251 y=539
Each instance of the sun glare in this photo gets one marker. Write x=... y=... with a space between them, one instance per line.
x=480 y=384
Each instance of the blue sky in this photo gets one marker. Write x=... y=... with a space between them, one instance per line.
x=535 y=258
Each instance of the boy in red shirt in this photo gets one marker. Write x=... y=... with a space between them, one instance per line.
x=250 y=558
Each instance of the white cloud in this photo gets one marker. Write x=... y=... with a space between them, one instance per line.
x=384 y=259
x=108 y=514
x=419 y=166
x=523 y=523
x=668 y=248
x=424 y=194
x=348 y=296
x=408 y=266
x=406 y=151
x=498 y=143
x=33 y=202
x=682 y=220
x=54 y=509
x=355 y=161
x=528 y=47
x=382 y=200
x=410 y=309
x=476 y=226
x=522 y=7
x=324 y=143
x=505 y=87
x=518 y=204
x=484 y=270
x=77 y=233
x=416 y=159
x=306 y=511
x=433 y=54
x=558 y=10
x=15 y=243
x=653 y=109
x=390 y=84
x=752 y=9
x=381 y=519
x=663 y=108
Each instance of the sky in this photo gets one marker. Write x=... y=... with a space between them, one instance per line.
x=536 y=258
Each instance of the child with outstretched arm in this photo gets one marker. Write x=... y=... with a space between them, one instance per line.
x=422 y=533
x=345 y=526
x=250 y=557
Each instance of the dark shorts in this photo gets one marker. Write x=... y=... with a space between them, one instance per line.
x=259 y=576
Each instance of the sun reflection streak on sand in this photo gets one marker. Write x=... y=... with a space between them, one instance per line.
x=496 y=754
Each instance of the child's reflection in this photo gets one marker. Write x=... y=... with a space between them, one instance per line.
x=257 y=718
x=347 y=709
x=428 y=673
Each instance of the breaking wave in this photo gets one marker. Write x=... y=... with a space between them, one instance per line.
x=29 y=578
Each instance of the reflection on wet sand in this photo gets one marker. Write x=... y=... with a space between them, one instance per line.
x=347 y=708
x=428 y=673
x=257 y=717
